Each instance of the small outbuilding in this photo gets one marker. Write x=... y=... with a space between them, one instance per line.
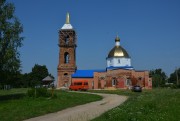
x=47 y=81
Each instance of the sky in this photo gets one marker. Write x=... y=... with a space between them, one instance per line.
x=149 y=31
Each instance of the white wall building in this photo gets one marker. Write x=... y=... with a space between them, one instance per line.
x=118 y=57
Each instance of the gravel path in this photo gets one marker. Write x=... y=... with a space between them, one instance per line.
x=84 y=112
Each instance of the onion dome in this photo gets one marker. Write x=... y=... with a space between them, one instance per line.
x=118 y=51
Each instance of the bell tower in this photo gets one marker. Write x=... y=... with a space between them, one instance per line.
x=67 y=53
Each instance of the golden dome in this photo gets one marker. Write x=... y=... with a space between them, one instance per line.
x=118 y=51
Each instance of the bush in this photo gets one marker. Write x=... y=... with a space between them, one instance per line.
x=174 y=86
x=1 y=86
x=38 y=92
x=178 y=86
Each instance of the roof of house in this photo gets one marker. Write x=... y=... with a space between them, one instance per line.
x=86 y=73
x=48 y=78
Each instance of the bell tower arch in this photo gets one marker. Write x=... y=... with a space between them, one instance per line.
x=67 y=53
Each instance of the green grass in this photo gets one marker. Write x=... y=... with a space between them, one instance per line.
x=119 y=92
x=154 y=105
x=13 y=91
x=150 y=105
x=16 y=109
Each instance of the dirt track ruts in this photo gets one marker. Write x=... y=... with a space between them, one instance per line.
x=84 y=112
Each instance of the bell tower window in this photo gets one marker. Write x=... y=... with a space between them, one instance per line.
x=67 y=39
x=66 y=57
x=65 y=74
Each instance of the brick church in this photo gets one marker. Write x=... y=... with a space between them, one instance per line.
x=118 y=73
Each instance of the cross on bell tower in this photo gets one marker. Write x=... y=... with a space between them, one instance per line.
x=67 y=53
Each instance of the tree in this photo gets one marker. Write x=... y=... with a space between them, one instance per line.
x=10 y=42
x=174 y=77
x=23 y=80
x=38 y=73
x=158 y=77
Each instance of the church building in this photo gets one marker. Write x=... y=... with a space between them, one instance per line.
x=119 y=73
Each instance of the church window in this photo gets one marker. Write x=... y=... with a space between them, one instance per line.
x=66 y=74
x=67 y=40
x=114 y=82
x=111 y=62
x=119 y=61
x=128 y=82
x=66 y=57
x=140 y=78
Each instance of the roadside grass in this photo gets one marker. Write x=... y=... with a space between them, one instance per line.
x=118 y=92
x=150 y=105
x=13 y=91
x=17 y=109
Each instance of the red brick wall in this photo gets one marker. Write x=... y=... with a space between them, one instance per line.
x=121 y=83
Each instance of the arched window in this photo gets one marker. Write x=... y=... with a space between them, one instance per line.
x=67 y=39
x=66 y=74
x=114 y=81
x=128 y=82
x=66 y=57
x=119 y=61
x=140 y=78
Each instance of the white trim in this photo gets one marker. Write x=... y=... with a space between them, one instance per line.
x=67 y=26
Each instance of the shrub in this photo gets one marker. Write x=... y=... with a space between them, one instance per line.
x=174 y=86
x=38 y=92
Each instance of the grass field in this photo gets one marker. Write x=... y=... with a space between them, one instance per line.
x=152 y=105
x=16 y=106
x=13 y=91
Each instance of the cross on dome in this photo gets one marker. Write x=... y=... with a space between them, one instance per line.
x=67 y=18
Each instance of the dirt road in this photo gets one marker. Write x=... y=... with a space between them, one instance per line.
x=84 y=112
